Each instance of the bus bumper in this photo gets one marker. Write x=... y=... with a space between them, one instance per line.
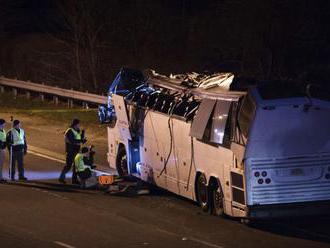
x=288 y=210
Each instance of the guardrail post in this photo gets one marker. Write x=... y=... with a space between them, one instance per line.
x=70 y=103
x=2 y=89
x=28 y=95
x=42 y=97
x=85 y=105
x=14 y=93
x=55 y=100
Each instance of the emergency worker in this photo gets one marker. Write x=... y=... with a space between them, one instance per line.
x=83 y=170
x=74 y=137
x=17 y=146
x=3 y=145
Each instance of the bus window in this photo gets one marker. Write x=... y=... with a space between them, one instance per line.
x=159 y=102
x=126 y=81
x=181 y=107
x=219 y=121
x=168 y=103
x=152 y=99
x=201 y=119
x=191 y=110
x=246 y=114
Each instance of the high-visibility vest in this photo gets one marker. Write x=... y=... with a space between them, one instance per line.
x=18 y=137
x=79 y=163
x=2 y=135
x=77 y=135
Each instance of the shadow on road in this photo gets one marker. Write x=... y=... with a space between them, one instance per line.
x=51 y=186
x=316 y=228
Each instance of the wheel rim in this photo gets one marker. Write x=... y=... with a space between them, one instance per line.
x=218 y=200
x=202 y=191
x=123 y=165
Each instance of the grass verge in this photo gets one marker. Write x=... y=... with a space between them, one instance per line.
x=46 y=110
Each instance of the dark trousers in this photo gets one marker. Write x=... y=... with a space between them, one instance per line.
x=69 y=164
x=85 y=174
x=17 y=159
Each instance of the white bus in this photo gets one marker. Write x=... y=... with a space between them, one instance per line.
x=259 y=153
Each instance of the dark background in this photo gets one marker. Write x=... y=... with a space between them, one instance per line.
x=81 y=44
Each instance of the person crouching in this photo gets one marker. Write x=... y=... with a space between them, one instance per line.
x=83 y=170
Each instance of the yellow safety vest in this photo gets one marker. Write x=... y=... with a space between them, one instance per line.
x=2 y=135
x=77 y=135
x=79 y=162
x=18 y=137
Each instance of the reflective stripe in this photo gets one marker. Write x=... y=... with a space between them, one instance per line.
x=79 y=162
x=77 y=135
x=2 y=135
x=18 y=137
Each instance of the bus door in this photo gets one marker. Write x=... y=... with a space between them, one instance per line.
x=122 y=117
x=125 y=132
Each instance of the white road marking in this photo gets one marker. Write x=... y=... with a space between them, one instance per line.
x=61 y=161
x=48 y=157
x=63 y=244
x=204 y=242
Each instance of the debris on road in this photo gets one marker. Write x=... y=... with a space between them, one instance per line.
x=127 y=187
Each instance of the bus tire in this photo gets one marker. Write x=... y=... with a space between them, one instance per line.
x=202 y=192
x=121 y=162
x=216 y=198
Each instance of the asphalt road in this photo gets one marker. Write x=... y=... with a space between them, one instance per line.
x=42 y=213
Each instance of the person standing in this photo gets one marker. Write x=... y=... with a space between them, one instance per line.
x=3 y=145
x=16 y=142
x=74 y=137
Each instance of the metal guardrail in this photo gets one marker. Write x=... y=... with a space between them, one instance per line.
x=55 y=91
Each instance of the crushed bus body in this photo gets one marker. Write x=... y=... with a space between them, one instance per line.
x=248 y=152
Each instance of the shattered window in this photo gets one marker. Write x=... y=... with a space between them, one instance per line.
x=126 y=81
x=219 y=121
x=246 y=115
x=201 y=119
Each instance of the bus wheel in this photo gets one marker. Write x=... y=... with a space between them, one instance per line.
x=121 y=163
x=202 y=192
x=216 y=200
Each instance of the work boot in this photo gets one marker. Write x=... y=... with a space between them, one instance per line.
x=61 y=180
x=3 y=180
x=23 y=178
x=75 y=181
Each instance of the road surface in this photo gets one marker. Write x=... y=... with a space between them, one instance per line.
x=42 y=213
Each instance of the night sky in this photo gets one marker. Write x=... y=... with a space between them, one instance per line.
x=259 y=39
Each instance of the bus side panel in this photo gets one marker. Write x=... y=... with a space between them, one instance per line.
x=155 y=149
x=112 y=148
x=151 y=148
x=215 y=161
x=181 y=158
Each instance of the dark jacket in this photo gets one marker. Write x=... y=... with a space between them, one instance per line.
x=17 y=147
x=72 y=144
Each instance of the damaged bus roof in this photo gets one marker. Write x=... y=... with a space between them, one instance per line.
x=212 y=86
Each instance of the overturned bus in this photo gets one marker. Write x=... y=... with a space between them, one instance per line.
x=256 y=153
